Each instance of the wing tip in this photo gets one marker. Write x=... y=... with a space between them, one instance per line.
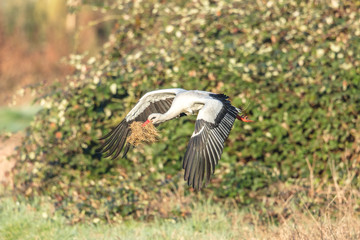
x=114 y=141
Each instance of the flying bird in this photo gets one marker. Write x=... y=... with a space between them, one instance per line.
x=214 y=121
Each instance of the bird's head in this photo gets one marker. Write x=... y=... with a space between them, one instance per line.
x=155 y=118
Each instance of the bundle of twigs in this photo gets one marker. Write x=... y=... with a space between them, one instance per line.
x=140 y=133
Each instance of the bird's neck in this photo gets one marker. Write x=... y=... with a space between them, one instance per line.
x=170 y=114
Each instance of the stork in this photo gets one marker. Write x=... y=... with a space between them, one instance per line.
x=215 y=119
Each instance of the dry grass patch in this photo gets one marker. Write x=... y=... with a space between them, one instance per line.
x=336 y=222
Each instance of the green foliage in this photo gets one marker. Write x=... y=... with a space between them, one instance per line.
x=296 y=62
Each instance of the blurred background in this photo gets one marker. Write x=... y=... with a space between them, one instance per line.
x=37 y=34
x=71 y=70
x=36 y=38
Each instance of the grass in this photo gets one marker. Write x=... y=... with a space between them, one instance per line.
x=38 y=220
x=16 y=119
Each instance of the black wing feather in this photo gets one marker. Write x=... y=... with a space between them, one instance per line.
x=205 y=148
x=115 y=140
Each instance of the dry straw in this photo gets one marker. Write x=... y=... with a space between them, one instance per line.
x=140 y=134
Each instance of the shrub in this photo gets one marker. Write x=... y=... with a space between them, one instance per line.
x=295 y=62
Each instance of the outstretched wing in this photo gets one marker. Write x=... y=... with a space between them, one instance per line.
x=205 y=147
x=158 y=101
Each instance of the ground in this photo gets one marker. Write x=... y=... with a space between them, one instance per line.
x=7 y=148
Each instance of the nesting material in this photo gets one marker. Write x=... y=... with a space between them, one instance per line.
x=140 y=134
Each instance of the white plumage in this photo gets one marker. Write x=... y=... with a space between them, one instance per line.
x=215 y=119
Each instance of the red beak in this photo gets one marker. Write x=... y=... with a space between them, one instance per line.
x=145 y=123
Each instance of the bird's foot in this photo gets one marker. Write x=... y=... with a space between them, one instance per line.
x=244 y=118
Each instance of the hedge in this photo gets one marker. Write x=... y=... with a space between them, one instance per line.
x=295 y=64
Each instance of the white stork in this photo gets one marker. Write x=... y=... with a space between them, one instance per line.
x=215 y=119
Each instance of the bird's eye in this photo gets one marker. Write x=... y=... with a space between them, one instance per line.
x=152 y=118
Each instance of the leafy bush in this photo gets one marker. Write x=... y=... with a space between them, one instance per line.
x=296 y=62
